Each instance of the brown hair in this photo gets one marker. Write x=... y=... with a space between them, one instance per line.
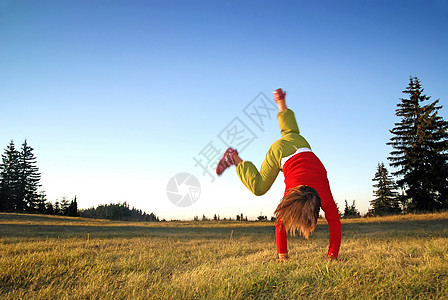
x=299 y=210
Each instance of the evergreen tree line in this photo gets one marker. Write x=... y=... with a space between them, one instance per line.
x=119 y=211
x=19 y=185
x=20 y=191
x=19 y=181
x=240 y=217
x=419 y=156
x=63 y=207
x=350 y=211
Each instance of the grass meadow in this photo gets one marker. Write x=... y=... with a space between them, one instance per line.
x=48 y=257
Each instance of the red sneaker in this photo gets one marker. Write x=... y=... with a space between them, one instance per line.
x=226 y=160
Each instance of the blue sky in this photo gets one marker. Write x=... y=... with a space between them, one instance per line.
x=117 y=97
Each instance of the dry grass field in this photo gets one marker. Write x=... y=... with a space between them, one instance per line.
x=47 y=257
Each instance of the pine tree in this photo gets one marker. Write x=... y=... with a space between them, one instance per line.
x=41 y=202
x=49 y=208
x=72 y=210
x=350 y=211
x=386 y=201
x=64 y=205
x=9 y=180
x=339 y=211
x=420 y=145
x=57 y=208
x=29 y=178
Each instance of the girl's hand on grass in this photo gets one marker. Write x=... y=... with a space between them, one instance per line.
x=331 y=258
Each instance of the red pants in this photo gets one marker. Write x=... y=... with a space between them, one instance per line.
x=280 y=238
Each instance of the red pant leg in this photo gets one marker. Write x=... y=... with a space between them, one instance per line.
x=281 y=239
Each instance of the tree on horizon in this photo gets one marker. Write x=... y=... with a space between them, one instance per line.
x=29 y=178
x=420 y=143
x=350 y=211
x=19 y=180
x=72 y=209
x=9 y=179
x=117 y=211
x=386 y=198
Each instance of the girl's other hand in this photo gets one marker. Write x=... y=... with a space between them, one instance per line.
x=279 y=95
